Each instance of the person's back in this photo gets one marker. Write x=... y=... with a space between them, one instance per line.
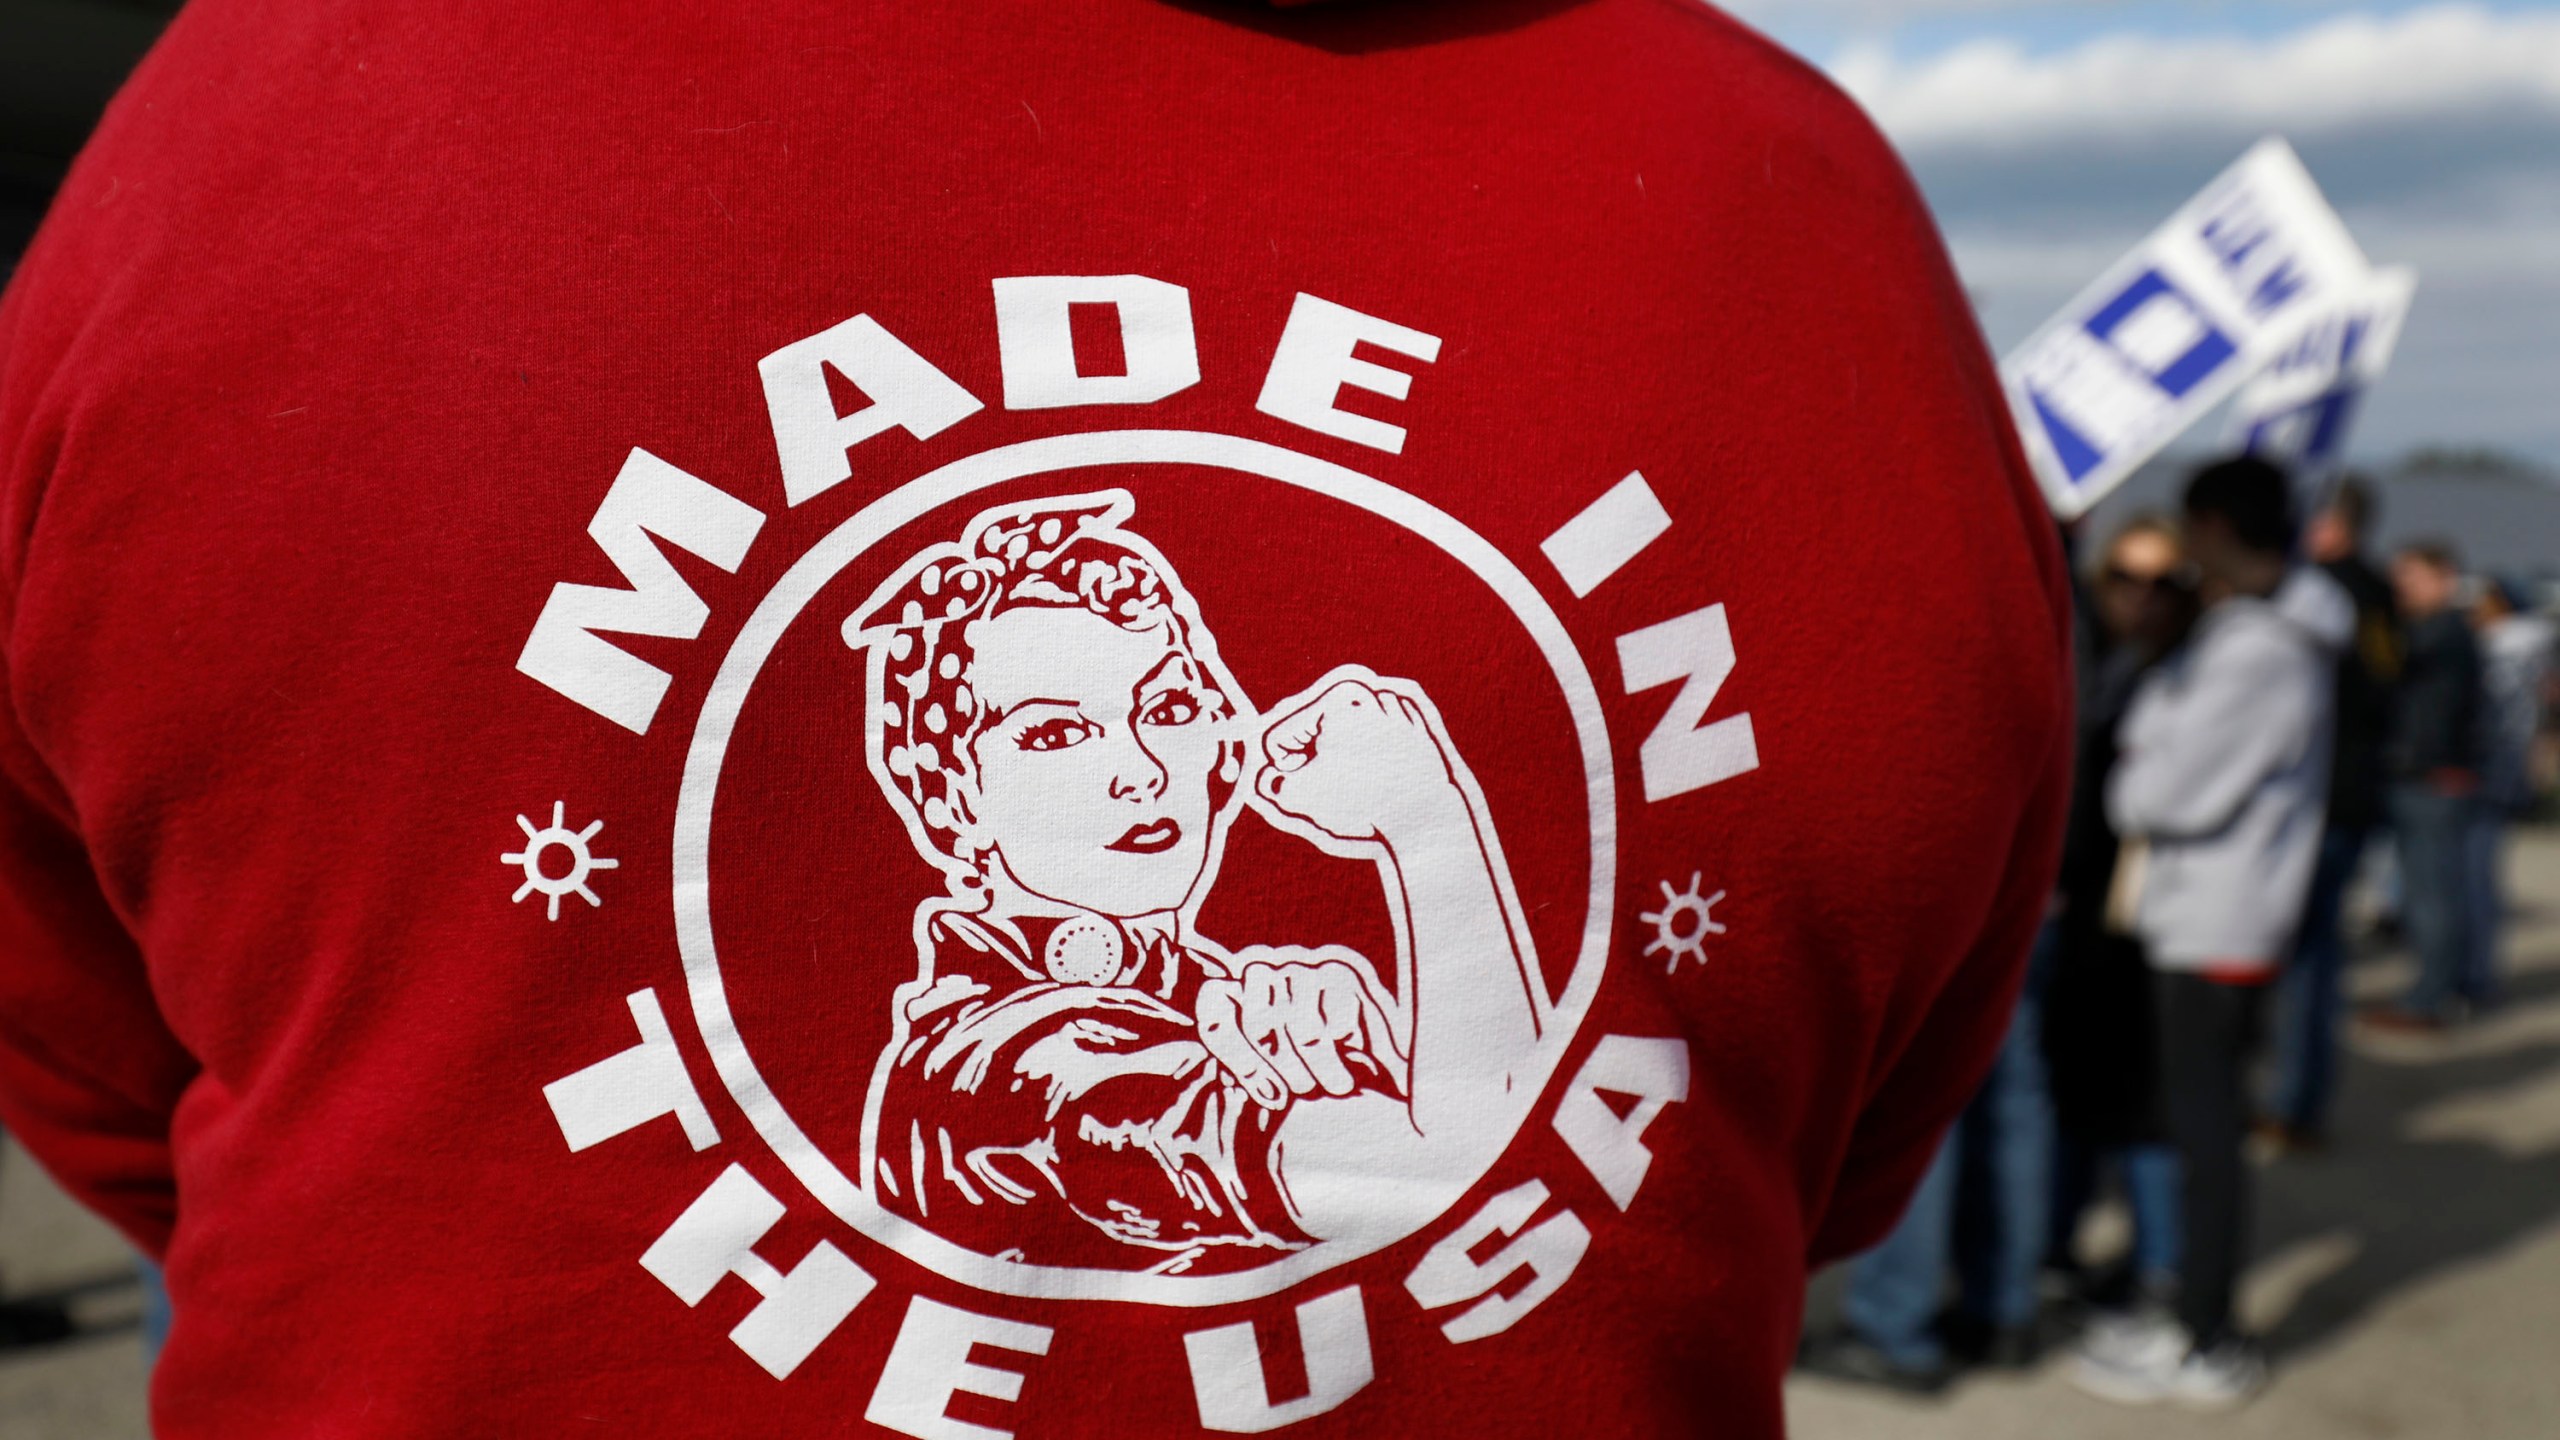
x=2224 y=775
x=2515 y=673
x=2434 y=754
x=1132 y=837
x=2225 y=771
x=2367 y=668
x=2435 y=715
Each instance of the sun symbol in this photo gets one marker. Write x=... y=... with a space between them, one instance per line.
x=1682 y=925
x=557 y=835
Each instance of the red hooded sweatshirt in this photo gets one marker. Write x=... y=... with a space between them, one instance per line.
x=1118 y=718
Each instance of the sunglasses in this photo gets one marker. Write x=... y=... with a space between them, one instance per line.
x=2118 y=575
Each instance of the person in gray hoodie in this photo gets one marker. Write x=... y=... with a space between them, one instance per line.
x=2223 y=778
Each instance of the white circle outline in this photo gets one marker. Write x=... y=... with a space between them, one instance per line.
x=799 y=585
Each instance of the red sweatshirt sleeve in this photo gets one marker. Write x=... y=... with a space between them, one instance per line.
x=1951 y=1040
x=89 y=1073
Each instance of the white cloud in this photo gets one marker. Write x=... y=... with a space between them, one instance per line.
x=2499 y=233
x=2349 y=72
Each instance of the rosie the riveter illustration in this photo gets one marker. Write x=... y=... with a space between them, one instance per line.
x=1075 y=1078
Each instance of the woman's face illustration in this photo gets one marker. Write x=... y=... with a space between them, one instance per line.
x=1092 y=769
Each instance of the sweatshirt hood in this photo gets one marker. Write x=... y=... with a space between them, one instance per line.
x=2317 y=606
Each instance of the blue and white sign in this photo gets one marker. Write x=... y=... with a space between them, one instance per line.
x=2298 y=410
x=2236 y=278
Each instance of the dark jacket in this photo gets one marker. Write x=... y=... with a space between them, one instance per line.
x=2097 y=1002
x=2435 y=711
x=2367 y=673
x=2106 y=674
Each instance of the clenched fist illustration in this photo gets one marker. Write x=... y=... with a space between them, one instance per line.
x=1359 y=761
x=1286 y=1028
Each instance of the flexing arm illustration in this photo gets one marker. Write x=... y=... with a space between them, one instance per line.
x=1047 y=710
x=1364 y=768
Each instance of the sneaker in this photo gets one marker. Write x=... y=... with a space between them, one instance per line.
x=2130 y=1358
x=2146 y=1359
x=1971 y=1341
x=1843 y=1356
x=2222 y=1378
x=33 y=1322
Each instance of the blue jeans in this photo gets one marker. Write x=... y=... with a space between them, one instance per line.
x=155 y=1310
x=2434 y=831
x=2005 y=1186
x=1895 y=1289
x=2307 y=1017
x=2155 y=1189
x=2482 y=845
x=1998 y=1160
x=2151 y=1177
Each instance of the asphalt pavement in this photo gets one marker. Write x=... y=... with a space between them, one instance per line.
x=2408 y=1280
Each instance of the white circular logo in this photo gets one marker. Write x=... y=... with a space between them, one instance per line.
x=1078 y=1092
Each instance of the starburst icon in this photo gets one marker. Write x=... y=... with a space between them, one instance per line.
x=1682 y=925
x=582 y=861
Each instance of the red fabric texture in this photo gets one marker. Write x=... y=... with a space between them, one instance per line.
x=341 y=331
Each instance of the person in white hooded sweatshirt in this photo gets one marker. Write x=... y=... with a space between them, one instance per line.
x=2224 y=779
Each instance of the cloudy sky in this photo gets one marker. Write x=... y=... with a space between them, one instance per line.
x=2052 y=134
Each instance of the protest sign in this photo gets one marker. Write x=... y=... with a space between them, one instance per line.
x=2298 y=410
x=2235 y=278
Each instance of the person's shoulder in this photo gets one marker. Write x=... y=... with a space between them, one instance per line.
x=1751 y=94
x=2448 y=634
x=2254 y=637
x=2362 y=582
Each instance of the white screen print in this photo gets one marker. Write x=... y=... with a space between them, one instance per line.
x=1074 y=1076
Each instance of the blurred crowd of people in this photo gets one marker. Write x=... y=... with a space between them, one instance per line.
x=2265 y=715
